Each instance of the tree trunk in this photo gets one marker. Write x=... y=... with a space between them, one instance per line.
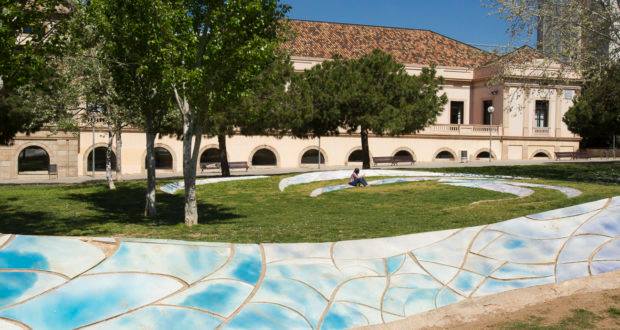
x=365 y=149
x=150 y=210
x=221 y=140
x=108 y=160
x=190 y=158
x=190 y=162
x=119 y=154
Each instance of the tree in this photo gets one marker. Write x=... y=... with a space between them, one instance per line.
x=228 y=43
x=314 y=101
x=88 y=72
x=264 y=109
x=596 y=112
x=31 y=37
x=373 y=94
x=139 y=39
x=583 y=35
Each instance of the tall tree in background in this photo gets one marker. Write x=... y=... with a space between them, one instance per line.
x=31 y=37
x=583 y=35
x=315 y=95
x=88 y=72
x=222 y=46
x=139 y=39
x=377 y=95
x=596 y=112
x=263 y=109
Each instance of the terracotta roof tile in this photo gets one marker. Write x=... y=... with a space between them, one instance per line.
x=409 y=46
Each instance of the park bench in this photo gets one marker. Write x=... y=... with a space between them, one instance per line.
x=392 y=160
x=210 y=165
x=235 y=165
x=572 y=155
x=404 y=159
x=217 y=165
x=384 y=160
x=52 y=169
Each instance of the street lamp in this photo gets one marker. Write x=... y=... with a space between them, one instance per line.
x=490 y=109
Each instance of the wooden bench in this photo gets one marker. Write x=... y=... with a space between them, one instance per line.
x=404 y=159
x=52 y=169
x=572 y=155
x=217 y=165
x=234 y=165
x=207 y=166
x=581 y=155
x=384 y=160
x=392 y=160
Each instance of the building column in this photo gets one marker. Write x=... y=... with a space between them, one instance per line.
x=558 y=113
x=526 y=113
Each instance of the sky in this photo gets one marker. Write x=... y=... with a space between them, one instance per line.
x=468 y=21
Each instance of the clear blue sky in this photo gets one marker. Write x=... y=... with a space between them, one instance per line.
x=465 y=20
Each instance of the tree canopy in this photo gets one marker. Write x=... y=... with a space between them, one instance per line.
x=31 y=37
x=372 y=94
x=596 y=112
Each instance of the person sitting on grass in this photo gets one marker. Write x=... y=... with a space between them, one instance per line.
x=356 y=179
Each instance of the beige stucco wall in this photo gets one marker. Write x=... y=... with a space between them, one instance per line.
x=61 y=148
x=520 y=103
x=514 y=103
x=289 y=150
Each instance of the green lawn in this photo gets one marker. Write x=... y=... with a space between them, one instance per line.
x=256 y=211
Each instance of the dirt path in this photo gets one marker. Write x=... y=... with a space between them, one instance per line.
x=592 y=302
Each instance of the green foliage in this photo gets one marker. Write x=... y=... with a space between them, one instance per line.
x=379 y=95
x=138 y=41
x=234 y=60
x=614 y=312
x=579 y=319
x=267 y=105
x=27 y=63
x=371 y=94
x=318 y=94
x=596 y=112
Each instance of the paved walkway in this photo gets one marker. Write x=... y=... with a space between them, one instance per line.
x=108 y=283
x=44 y=179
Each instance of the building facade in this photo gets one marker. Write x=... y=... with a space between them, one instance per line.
x=527 y=122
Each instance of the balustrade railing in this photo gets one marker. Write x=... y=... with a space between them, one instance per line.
x=454 y=129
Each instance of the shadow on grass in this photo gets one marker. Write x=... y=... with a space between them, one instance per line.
x=86 y=210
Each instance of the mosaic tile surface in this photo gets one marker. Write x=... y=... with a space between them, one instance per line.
x=518 y=189
x=65 y=283
x=173 y=187
x=345 y=174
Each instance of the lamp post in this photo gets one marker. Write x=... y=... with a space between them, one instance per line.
x=490 y=109
x=93 y=164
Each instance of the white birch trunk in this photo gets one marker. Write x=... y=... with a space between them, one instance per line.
x=190 y=158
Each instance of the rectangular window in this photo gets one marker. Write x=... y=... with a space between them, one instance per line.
x=457 y=109
x=542 y=114
x=486 y=116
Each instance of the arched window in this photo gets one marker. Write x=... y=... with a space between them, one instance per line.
x=163 y=159
x=311 y=157
x=264 y=157
x=210 y=156
x=445 y=155
x=484 y=155
x=403 y=156
x=356 y=156
x=100 y=159
x=33 y=159
x=541 y=154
